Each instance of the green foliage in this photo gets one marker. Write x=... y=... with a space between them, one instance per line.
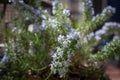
x=110 y=51
x=42 y=40
x=90 y=24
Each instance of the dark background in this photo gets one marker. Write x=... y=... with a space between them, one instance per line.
x=116 y=4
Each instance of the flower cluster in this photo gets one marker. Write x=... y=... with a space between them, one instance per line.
x=112 y=24
x=53 y=23
x=106 y=13
x=66 y=12
x=88 y=4
x=88 y=8
x=109 y=9
x=72 y=36
x=107 y=26
x=43 y=25
x=54 y=3
x=111 y=28
x=59 y=64
x=63 y=53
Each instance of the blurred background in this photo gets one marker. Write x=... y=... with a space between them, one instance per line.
x=7 y=12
